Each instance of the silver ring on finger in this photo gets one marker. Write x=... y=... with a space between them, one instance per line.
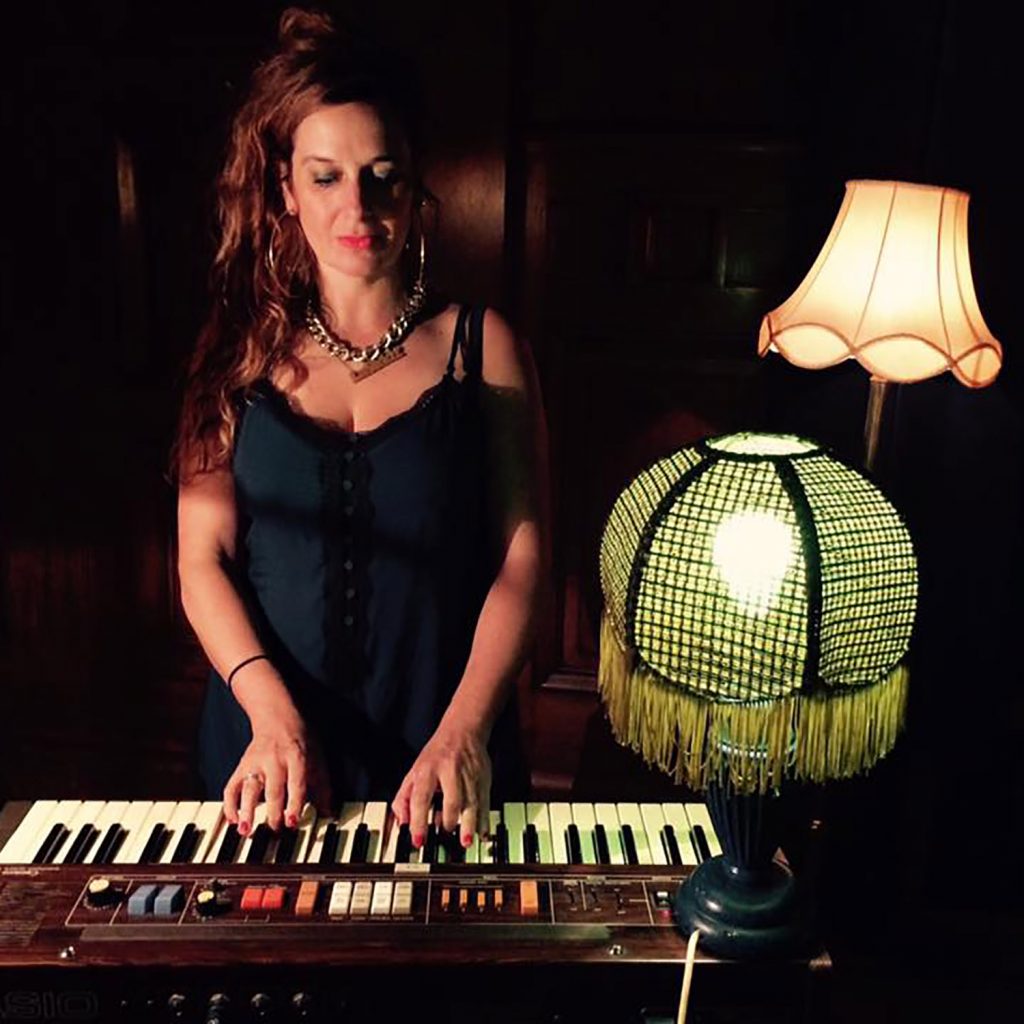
x=252 y=777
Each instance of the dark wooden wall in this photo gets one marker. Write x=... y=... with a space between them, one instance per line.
x=634 y=192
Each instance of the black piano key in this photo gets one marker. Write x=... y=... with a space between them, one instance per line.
x=700 y=843
x=110 y=844
x=228 y=848
x=572 y=845
x=403 y=848
x=629 y=845
x=501 y=844
x=671 y=846
x=51 y=844
x=155 y=844
x=329 y=850
x=430 y=846
x=286 y=846
x=360 y=844
x=604 y=854
x=453 y=848
x=185 y=848
x=82 y=844
x=260 y=841
x=531 y=845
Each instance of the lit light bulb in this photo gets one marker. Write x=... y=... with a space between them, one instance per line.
x=752 y=552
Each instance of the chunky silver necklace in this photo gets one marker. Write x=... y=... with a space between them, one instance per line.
x=374 y=357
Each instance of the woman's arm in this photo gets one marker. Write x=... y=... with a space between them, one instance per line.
x=279 y=753
x=456 y=756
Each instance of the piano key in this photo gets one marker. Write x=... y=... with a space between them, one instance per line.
x=629 y=846
x=537 y=816
x=701 y=842
x=501 y=844
x=349 y=820
x=601 y=849
x=109 y=845
x=629 y=814
x=488 y=851
x=375 y=816
x=654 y=823
x=259 y=817
x=155 y=844
x=326 y=842
x=531 y=846
x=572 y=844
x=668 y=837
x=138 y=824
x=608 y=817
x=390 y=854
x=31 y=830
x=258 y=844
x=86 y=839
x=184 y=849
x=111 y=814
x=430 y=851
x=675 y=815
x=560 y=815
x=83 y=818
x=286 y=844
x=403 y=844
x=584 y=820
x=699 y=814
x=360 y=844
x=184 y=814
x=304 y=833
x=207 y=822
x=224 y=844
x=514 y=819
x=52 y=842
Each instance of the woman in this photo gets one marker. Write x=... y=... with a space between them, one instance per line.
x=360 y=546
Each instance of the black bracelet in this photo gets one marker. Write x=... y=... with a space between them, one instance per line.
x=242 y=664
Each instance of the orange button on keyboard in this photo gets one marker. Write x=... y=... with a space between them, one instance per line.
x=252 y=897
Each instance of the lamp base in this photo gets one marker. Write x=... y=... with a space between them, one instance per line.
x=741 y=912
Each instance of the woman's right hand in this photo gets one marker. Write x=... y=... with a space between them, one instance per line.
x=283 y=765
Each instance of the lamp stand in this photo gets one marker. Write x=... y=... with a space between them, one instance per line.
x=878 y=393
x=744 y=903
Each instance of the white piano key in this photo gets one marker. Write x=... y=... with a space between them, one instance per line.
x=473 y=850
x=391 y=846
x=139 y=828
x=375 y=816
x=537 y=816
x=259 y=817
x=560 y=815
x=487 y=847
x=207 y=822
x=184 y=814
x=217 y=841
x=654 y=822
x=305 y=827
x=112 y=814
x=584 y=820
x=514 y=820
x=629 y=814
x=67 y=810
x=699 y=814
x=21 y=847
x=607 y=816
x=348 y=821
x=675 y=815
x=87 y=813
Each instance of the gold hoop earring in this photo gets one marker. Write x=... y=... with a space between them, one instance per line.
x=271 y=258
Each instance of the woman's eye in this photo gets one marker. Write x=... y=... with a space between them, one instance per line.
x=324 y=180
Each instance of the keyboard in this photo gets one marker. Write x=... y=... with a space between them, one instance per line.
x=167 y=832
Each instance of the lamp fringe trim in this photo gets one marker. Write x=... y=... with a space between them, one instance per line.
x=811 y=737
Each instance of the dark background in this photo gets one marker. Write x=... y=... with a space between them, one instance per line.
x=634 y=189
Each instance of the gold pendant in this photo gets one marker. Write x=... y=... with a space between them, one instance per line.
x=360 y=371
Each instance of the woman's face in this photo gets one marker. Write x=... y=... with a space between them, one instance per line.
x=350 y=186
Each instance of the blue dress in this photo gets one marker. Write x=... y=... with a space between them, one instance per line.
x=364 y=560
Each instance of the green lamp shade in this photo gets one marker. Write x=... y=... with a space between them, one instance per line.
x=759 y=597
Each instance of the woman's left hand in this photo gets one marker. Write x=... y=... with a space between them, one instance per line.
x=454 y=760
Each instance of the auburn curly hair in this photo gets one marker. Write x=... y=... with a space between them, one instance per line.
x=258 y=301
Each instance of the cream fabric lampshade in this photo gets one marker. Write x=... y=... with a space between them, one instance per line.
x=892 y=289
